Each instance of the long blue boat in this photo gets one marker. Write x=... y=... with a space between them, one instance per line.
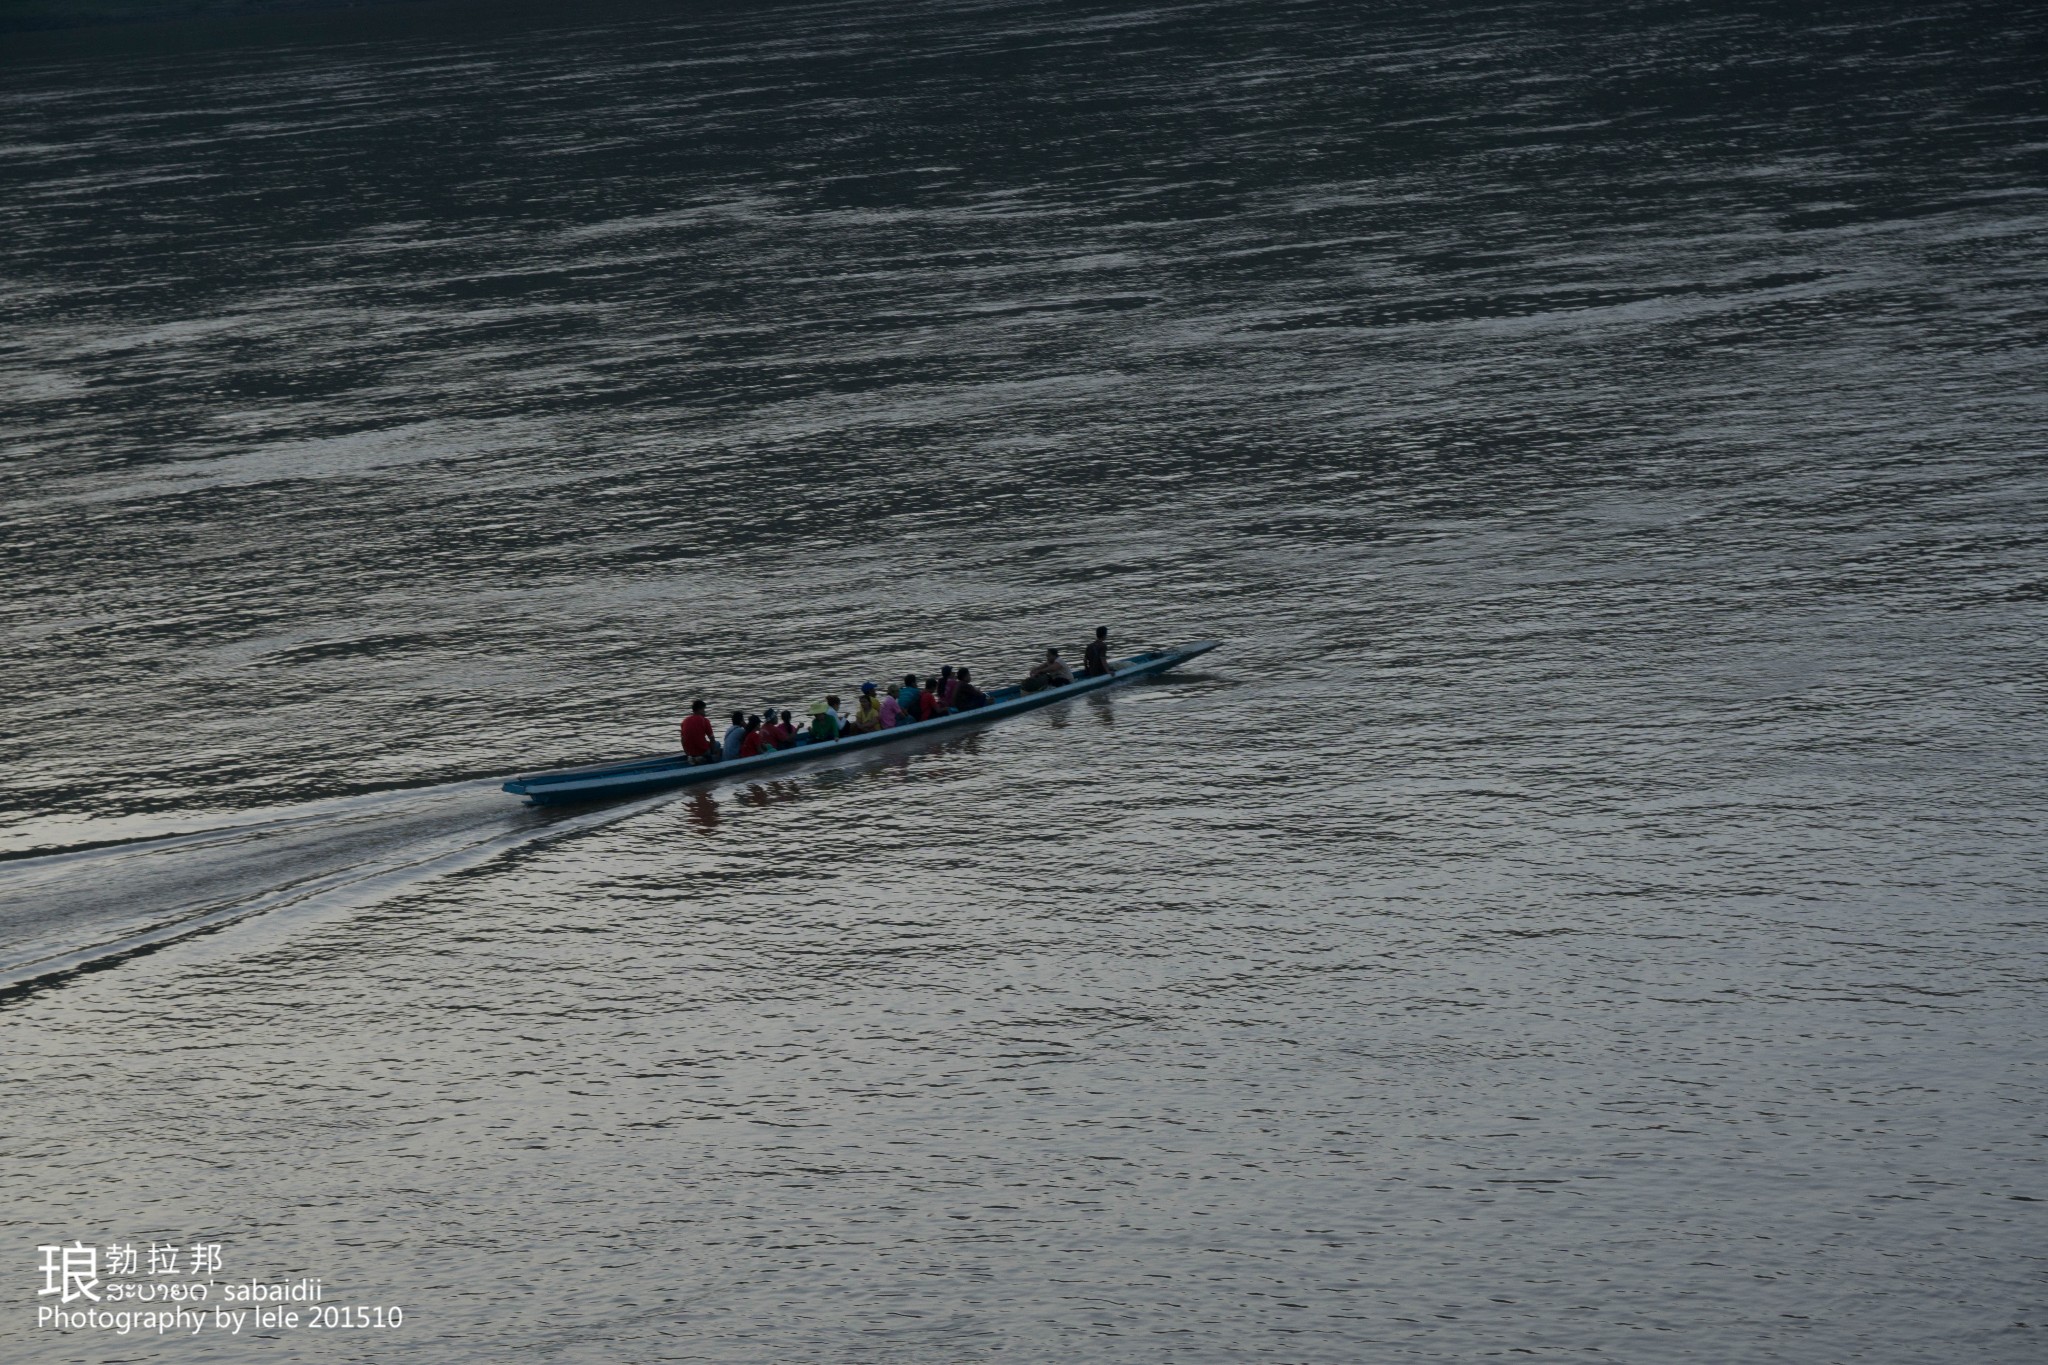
x=639 y=776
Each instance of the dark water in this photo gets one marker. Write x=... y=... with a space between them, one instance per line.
x=1590 y=907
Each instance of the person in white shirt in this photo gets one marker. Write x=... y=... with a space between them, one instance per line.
x=1051 y=673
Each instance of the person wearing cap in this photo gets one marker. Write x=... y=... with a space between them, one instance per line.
x=698 y=739
x=735 y=735
x=1095 y=660
x=867 y=715
x=1051 y=673
x=824 y=721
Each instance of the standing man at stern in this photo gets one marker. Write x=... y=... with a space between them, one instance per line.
x=1095 y=659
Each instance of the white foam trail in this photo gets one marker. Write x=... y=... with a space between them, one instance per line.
x=73 y=909
x=102 y=837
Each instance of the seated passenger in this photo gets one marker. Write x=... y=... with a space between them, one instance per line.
x=867 y=715
x=906 y=696
x=948 y=685
x=824 y=722
x=967 y=696
x=754 y=742
x=698 y=739
x=780 y=732
x=734 y=734
x=928 y=705
x=892 y=714
x=1051 y=673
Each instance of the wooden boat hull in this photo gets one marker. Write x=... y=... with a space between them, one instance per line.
x=638 y=777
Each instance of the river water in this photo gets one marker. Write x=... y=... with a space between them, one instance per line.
x=1590 y=905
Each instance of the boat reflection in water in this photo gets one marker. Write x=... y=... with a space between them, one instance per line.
x=703 y=807
x=776 y=793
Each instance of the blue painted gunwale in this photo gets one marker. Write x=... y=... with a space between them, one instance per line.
x=639 y=776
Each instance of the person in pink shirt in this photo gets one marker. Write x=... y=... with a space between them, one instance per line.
x=892 y=714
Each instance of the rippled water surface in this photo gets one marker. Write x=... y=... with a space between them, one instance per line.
x=1590 y=906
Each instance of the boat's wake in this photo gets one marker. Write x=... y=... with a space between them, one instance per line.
x=68 y=911
x=74 y=910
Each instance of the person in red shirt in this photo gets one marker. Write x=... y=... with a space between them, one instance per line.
x=697 y=736
x=781 y=733
x=754 y=741
x=928 y=703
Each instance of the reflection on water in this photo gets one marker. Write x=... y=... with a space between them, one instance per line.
x=1588 y=904
x=703 y=809
x=767 y=793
